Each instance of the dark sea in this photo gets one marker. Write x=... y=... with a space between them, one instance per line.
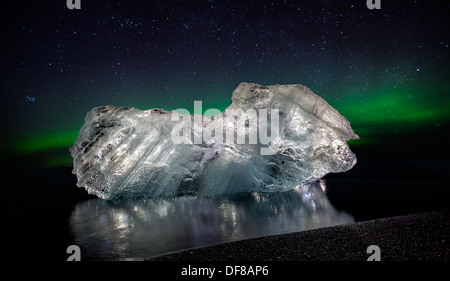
x=44 y=212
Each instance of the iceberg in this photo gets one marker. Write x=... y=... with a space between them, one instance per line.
x=124 y=153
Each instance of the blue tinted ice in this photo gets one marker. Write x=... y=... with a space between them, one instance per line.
x=126 y=153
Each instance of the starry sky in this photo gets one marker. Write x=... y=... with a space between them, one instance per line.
x=387 y=71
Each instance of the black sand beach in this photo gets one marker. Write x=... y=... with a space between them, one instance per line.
x=415 y=237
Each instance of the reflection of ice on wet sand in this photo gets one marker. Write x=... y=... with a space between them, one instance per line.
x=141 y=229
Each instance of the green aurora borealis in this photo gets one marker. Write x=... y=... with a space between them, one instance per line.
x=375 y=118
x=386 y=71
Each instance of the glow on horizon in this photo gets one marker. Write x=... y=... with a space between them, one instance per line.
x=372 y=115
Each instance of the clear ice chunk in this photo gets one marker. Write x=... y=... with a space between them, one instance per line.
x=125 y=153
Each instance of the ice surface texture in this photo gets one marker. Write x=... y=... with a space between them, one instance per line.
x=126 y=153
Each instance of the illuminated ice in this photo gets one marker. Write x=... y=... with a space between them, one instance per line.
x=126 y=153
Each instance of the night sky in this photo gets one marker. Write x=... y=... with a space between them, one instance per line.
x=387 y=71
